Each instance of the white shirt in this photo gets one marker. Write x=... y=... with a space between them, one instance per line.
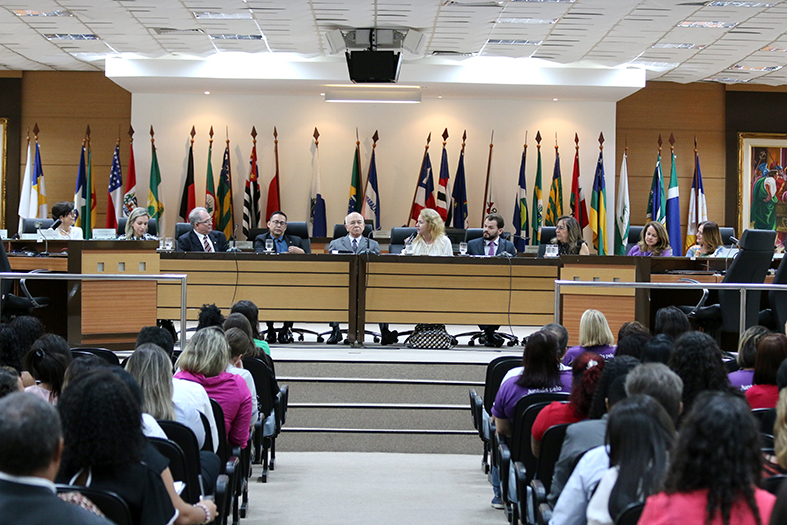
x=246 y=375
x=571 y=506
x=598 y=508
x=74 y=234
x=190 y=393
x=151 y=428
x=189 y=416
x=440 y=246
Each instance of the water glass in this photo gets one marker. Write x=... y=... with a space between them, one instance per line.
x=161 y=243
x=268 y=245
x=462 y=248
x=168 y=243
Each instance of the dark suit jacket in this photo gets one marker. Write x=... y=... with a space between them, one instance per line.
x=189 y=242
x=292 y=240
x=22 y=503
x=477 y=246
x=365 y=245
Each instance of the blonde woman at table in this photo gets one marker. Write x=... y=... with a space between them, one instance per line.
x=65 y=212
x=708 y=241
x=137 y=226
x=431 y=239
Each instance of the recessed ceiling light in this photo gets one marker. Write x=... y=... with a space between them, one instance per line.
x=738 y=67
x=236 y=37
x=527 y=21
x=738 y=3
x=207 y=92
x=64 y=36
x=679 y=46
x=30 y=12
x=655 y=66
x=727 y=80
x=439 y=96
x=199 y=15
x=708 y=25
x=554 y=100
x=322 y=94
x=514 y=42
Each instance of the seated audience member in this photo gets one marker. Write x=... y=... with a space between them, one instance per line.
x=658 y=349
x=104 y=448
x=709 y=243
x=202 y=237
x=696 y=358
x=26 y=329
x=209 y=315
x=594 y=336
x=238 y=320
x=157 y=336
x=640 y=436
x=81 y=365
x=9 y=355
x=250 y=311
x=431 y=238
x=633 y=344
x=568 y=237
x=776 y=464
x=560 y=332
x=204 y=361
x=586 y=371
x=588 y=434
x=65 y=212
x=240 y=345
x=47 y=361
x=659 y=382
x=771 y=351
x=282 y=243
x=743 y=379
x=10 y=381
x=631 y=327
x=714 y=469
x=31 y=447
x=137 y=226
x=653 y=241
x=671 y=321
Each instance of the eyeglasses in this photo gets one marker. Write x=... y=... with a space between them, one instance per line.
x=206 y=221
x=279 y=223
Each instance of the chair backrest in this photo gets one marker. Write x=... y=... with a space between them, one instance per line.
x=340 y=231
x=29 y=225
x=766 y=418
x=261 y=374
x=773 y=483
x=181 y=228
x=152 y=226
x=178 y=466
x=473 y=233
x=208 y=445
x=398 y=236
x=630 y=515
x=635 y=232
x=525 y=413
x=495 y=371
x=778 y=300
x=726 y=234
x=749 y=266
x=549 y=453
x=183 y=437
x=254 y=232
x=547 y=234
x=300 y=229
x=107 y=355
x=113 y=506
x=222 y=447
x=5 y=284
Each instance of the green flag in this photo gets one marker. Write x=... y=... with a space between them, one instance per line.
x=155 y=208
x=355 y=202
x=210 y=187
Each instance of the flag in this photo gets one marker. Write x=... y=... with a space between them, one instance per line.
x=251 y=199
x=224 y=210
x=210 y=186
x=656 y=201
x=130 y=197
x=114 y=203
x=80 y=194
x=579 y=209
x=538 y=199
x=673 y=210
x=188 y=199
x=555 y=208
x=371 y=196
x=521 y=223
x=598 y=208
x=459 y=195
x=355 y=203
x=424 y=194
x=91 y=189
x=698 y=208
x=24 y=194
x=442 y=183
x=623 y=210
x=155 y=207
x=316 y=202
x=490 y=200
x=38 y=207
x=274 y=203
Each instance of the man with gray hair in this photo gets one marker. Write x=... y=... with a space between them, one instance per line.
x=202 y=237
x=659 y=382
x=31 y=445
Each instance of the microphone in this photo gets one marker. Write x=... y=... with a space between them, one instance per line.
x=735 y=241
x=410 y=238
x=234 y=247
x=37 y=224
x=55 y=224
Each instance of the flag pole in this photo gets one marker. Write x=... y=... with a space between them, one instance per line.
x=362 y=189
x=276 y=157
x=488 y=172
x=417 y=182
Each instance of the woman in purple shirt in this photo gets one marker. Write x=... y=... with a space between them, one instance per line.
x=653 y=241
x=594 y=336
x=743 y=379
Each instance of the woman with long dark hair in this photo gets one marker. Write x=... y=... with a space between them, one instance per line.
x=696 y=358
x=640 y=435
x=771 y=351
x=714 y=470
x=47 y=361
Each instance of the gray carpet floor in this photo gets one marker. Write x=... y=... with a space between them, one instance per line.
x=380 y=488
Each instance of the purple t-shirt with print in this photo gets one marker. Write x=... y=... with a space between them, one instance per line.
x=741 y=379
x=605 y=351
x=510 y=393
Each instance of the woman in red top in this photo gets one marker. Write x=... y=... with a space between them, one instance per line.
x=586 y=370
x=771 y=351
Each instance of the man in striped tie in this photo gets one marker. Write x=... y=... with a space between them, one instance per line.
x=202 y=237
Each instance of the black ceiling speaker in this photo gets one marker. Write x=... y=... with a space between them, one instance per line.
x=373 y=66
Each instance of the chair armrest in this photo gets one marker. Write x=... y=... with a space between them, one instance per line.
x=502 y=469
x=520 y=482
x=545 y=512
x=23 y=287
x=539 y=492
x=705 y=293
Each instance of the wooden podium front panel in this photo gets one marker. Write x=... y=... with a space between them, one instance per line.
x=462 y=290
x=110 y=308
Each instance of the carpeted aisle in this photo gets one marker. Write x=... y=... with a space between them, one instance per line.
x=349 y=487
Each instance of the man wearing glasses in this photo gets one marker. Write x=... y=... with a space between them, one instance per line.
x=202 y=238
x=282 y=243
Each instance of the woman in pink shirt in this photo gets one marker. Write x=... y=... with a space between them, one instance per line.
x=204 y=361
x=771 y=351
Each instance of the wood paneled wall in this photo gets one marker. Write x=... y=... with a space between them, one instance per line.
x=64 y=104
x=686 y=111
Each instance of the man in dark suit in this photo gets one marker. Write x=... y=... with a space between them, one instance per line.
x=282 y=243
x=202 y=238
x=491 y=244
x=31 y=445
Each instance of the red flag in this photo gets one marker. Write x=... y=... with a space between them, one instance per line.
x=273 y=188
x=579 y=208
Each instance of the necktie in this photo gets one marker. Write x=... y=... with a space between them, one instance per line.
x=355 y=245
x=208 y=245
x=491 y=248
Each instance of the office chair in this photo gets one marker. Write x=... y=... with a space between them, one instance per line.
x=13 y=305
x=547 y=234
x=29 y=225
x=398 y=236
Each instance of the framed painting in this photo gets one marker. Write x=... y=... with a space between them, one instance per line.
x=762 y=184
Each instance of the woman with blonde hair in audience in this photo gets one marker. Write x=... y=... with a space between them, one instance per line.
x=653 y=240
x=709 y=242
x=431 y=239
x=204 y=361
x=594 y=336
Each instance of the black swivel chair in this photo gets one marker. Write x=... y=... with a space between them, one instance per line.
x=726 y=236
x=181 y=228
x=547 y=234
x=12 y=305
x=635 y=233
x=29 y=225
x=108 y=356
x=152 y=226
x=398 y=236
x=749 y=267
